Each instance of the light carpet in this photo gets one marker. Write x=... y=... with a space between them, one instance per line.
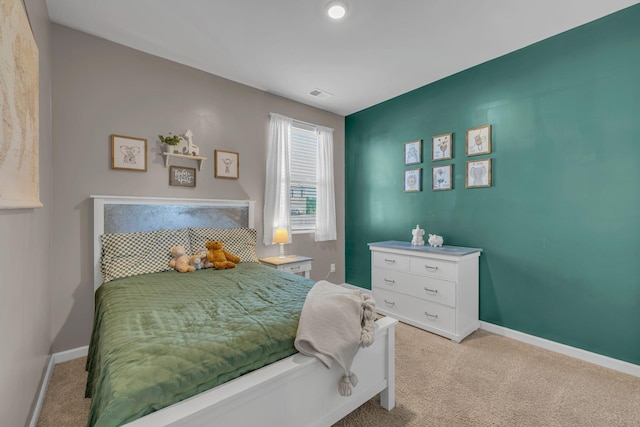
x=487 y=380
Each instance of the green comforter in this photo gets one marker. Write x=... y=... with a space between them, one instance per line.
x=163 y=337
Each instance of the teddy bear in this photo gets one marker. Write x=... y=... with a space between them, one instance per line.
x=199 y=259
x=195 y=261
x=180 y=259
x=219 y=257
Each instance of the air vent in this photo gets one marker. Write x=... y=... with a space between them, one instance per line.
x=320 y=94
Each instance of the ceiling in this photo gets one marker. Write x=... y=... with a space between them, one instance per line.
x=380 y=50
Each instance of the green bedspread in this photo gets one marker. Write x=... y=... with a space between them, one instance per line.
x=163 y=337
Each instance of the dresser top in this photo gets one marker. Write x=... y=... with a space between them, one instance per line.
x=442 y=250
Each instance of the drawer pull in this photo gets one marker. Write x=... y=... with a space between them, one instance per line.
x=391 y=282
x=297 y=267
x=431 y=268
x=390 y=261
x=433 y=316
x=433 y=291
x=391 y=303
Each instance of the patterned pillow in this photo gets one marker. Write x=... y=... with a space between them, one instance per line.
x=130 y=254
x=238 y=241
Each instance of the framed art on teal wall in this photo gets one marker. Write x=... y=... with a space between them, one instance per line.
x=413 y=152
x=441 y=178
x=413 y=180
x=441 y=147
x=479 y=140
x=478 y=173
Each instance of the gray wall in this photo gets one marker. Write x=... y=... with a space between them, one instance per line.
x=25 y=234
x=102 y=88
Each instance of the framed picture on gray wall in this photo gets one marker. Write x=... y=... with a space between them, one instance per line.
x=182 y=177
x=479 y=173
x=413 y=152
x=413 y=180
x=227 y=164
x=479 y=140
x=128 y=153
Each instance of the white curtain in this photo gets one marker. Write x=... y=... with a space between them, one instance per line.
x=325 y=203
x=276 y=190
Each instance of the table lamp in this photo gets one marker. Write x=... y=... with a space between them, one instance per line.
x=281 y=237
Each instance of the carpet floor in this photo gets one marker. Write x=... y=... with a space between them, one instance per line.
x=487 y=380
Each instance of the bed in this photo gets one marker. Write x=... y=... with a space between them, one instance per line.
x=290 y=390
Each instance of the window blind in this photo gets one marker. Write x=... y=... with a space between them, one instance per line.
x=303 y=189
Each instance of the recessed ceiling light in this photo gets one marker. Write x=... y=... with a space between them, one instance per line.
x=336 y=9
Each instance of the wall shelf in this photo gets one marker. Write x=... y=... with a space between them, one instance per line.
x=167 y=156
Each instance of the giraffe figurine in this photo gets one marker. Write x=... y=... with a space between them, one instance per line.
x=192 y=149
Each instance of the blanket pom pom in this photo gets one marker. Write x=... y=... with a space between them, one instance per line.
x=353 y=379
x=344 y=387
x=366 y=337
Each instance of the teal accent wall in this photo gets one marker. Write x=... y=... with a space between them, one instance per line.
x=560 y=225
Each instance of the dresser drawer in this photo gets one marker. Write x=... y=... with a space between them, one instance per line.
x=428 y=288
x=418 y=310
x=434 y=267
x=391 y=261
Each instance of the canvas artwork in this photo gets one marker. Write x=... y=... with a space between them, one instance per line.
x=19 y=108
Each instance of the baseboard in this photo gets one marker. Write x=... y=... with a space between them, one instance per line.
x=43 y=391
x=587 y=356
x=63 y=356
x=74 y=353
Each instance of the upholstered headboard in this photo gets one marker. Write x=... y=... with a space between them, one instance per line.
x=124 y=214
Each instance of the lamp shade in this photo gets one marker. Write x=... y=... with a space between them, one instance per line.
x=281 y=236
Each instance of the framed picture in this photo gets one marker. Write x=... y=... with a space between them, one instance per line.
x=128 y=153
x=441 y=178
x=479 y=173
x=413 y=152
x=413 y=180
x=182 y=177
x=441 y=147
x=479 y=140
x=227 y=164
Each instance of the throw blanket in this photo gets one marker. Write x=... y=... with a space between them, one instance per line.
x=335 y=322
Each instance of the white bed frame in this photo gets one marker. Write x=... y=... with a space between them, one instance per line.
x=296 y=391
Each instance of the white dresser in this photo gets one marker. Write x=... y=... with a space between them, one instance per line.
x=435 y=289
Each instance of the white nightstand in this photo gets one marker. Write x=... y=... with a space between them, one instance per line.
x=293 y=264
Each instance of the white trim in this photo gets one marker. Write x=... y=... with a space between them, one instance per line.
x=63 y=356
x=587 y=356
x=74 y=353
x=43 y=392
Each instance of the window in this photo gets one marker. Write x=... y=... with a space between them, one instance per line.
x=299 y=184
x=303 y=190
